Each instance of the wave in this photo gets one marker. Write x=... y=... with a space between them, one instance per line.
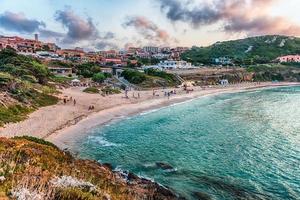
x=100 y=140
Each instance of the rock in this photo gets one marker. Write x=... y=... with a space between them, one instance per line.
x=2 y=178
x=108 y=166
x=132 y=177
x=202 y=196
x=164 y=166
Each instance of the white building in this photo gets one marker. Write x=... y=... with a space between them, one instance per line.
x=171 y=65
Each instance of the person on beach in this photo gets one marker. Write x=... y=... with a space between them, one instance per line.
x=65 y=101
x=74 y=102
x=169 y=94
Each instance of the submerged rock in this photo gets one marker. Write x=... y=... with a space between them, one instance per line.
x=202 y=196
x=164 y=166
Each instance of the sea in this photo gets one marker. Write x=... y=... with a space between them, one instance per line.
x=243 y=145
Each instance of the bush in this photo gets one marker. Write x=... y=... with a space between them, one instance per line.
x=133 y=76
x=99 y=77
x=91 y=90
x=109 y=90
x=36 y=140
x=154 y=72
x=19 y=66
x=5 y=79
x=87 y=70
x=13 y=114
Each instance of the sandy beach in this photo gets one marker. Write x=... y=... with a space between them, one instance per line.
x=62 y=123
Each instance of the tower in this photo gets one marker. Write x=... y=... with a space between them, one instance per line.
x=36 y=37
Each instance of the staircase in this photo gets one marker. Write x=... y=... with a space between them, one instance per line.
x=123 y=81
x=181 y=80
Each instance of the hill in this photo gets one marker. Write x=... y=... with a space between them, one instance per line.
x=24 y=86
x=254 y=50
x=31 y=168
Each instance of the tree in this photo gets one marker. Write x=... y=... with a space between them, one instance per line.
x=87 y=70
x=99 y=77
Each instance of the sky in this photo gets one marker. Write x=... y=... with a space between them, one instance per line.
x=117 y=24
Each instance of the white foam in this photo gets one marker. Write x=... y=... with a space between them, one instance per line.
x=101 y=141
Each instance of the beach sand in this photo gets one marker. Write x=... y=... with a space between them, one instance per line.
x=62 y=124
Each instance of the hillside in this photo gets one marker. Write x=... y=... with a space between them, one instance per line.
x=31 y=168
x=254 y=50
x=24 y=86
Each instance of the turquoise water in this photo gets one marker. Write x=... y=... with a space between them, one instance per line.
x=232 y=146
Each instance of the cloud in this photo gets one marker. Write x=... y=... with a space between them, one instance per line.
x=50 y=34
x=148 y=30
x=82 y=31
x=18 y=22
x=249 y=16
x=108 y=36
x=103 y=45
x=78 y=29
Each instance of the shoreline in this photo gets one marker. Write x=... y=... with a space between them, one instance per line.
x=66 y=137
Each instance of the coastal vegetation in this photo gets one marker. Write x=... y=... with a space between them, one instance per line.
x=91 y=90
x=249 y=51
x=32 y=168
x=162 y=74
x=87 y=70
x=150 y=78
x=275 y=72
x=98 y=77
x=24 y=86
x=109 y=90
x=134 y=76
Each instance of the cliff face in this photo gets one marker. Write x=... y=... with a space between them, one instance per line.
x=34 y=169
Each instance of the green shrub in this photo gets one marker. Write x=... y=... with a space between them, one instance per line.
x=36 y=140
x=99 y=77
x=5 y=78
x=87 y=70
x=92 y=90
x=73 y=193
x=154 y=72
x=110 y=90
x=134 y=76
x=29 y=78
x=13 y=114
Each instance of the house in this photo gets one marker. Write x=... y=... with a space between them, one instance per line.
x=114 y=61
x=171 y=65
x=71 y=54
x=289 y=58
x=61 y=71
x=174 y=64
x=107 y=70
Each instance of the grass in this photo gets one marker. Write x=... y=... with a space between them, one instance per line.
x=36 y=140
x=110 y=90
x=61 y=79
x=19 y=112
x=14 y=114
x=91 y=90
x=42 y=100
